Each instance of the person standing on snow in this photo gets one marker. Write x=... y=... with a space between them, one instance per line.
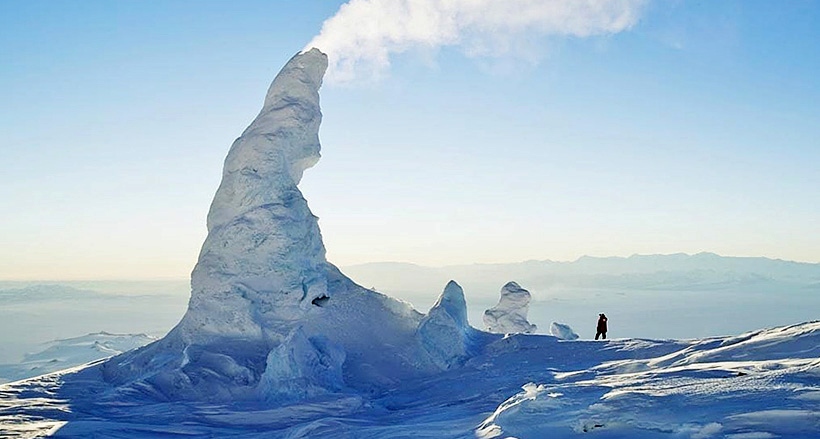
x=601 y=330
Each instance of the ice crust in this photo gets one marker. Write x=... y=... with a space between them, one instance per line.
x=510 y=314
x=269 y=318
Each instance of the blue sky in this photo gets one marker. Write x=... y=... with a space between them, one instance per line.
x=693 y=130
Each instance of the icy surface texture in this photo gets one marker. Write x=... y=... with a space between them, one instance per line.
x=510 y=314
x=445 y=333
x=269 y=318
x=562 y=331
x=263 y=261
x=302 y=367
x=760 y=384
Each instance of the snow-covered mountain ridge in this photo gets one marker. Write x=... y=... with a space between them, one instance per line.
x=664 y=272
x=47 y=292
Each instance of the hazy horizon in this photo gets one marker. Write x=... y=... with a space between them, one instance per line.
x=149 y=280
x=702 y=289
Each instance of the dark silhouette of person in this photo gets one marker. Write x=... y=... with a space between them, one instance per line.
x=601 y=330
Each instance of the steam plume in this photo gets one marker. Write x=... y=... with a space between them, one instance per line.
x=363 y=34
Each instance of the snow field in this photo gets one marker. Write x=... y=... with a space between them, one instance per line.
x=524 y=386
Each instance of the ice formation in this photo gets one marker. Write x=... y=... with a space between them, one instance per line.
x=269 y=318
x=510 y=314
x=445 y=332
x=562 y=331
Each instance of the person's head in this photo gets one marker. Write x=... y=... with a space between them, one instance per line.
x=601 y=315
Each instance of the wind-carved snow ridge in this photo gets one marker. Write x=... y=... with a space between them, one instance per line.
x=762 y=384
x=510 y=314
x=269 y=318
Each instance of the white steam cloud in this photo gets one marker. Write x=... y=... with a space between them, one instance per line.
x=363 y=34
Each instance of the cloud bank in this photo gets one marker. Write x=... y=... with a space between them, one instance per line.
x=363 y=34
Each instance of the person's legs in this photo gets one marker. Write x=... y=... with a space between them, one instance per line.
x=603 y=335
x=597 y=334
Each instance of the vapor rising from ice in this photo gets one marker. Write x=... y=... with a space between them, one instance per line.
x=363 y=34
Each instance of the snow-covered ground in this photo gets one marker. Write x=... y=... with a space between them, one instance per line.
x=763 y=384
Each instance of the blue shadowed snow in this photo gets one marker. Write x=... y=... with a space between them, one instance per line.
x=527 y=386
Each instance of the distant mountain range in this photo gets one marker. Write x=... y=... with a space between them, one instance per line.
x=702 y=271
x=50 y=292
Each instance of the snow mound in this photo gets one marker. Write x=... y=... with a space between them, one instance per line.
x=562 y=331
x=510 y=314
x=444 y=332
